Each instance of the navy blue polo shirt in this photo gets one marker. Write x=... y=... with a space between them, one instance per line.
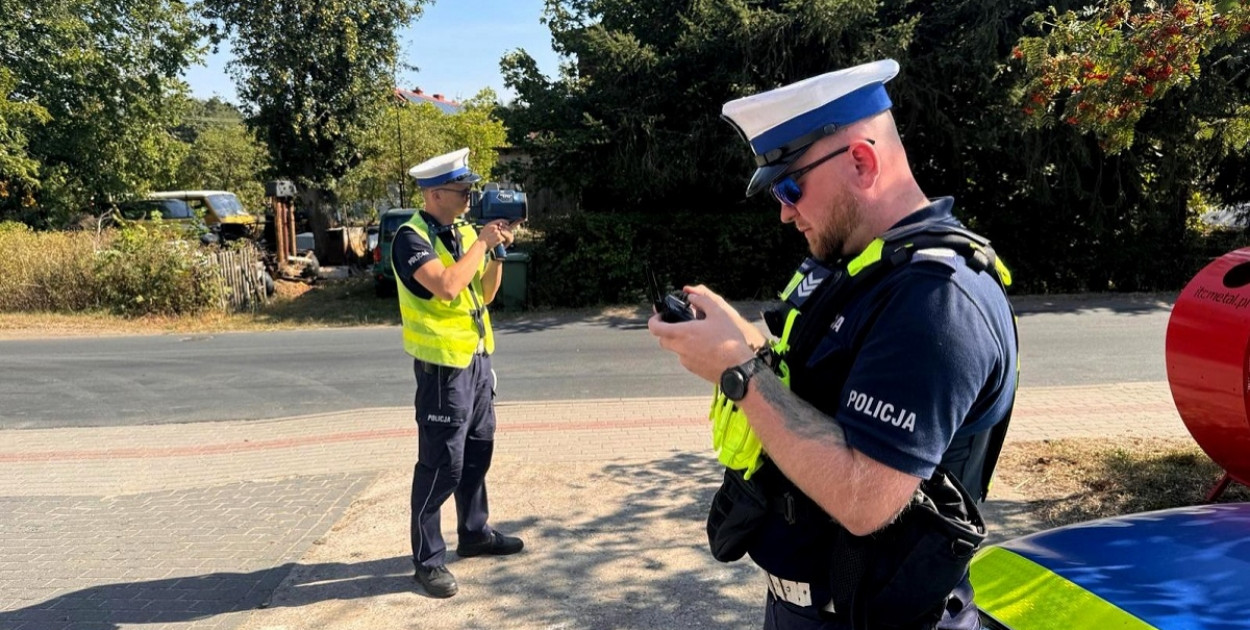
x=931 y=353
x=409 y=252
x=936 y=357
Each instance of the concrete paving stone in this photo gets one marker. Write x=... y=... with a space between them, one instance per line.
x=218 y=514
x=86 y=578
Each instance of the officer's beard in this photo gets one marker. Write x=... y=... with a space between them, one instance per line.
x=844 y=212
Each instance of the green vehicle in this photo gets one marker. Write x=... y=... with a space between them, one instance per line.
x=388 y=224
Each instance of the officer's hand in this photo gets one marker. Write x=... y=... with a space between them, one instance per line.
x=509 y=235
x=709 y=345
x=754 y=337
x=493 y=233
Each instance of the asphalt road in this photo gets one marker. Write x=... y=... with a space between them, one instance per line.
x=108 y=381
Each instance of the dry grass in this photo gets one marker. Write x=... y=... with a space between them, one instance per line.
x=328 y=304
x=294 y=305
x=1067 y=481
x=47 y=270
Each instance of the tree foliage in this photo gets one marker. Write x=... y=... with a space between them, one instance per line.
x=19 y=173
x=635 y=118
x=410 y=133
x=226 y=156
x=202 y=115
x=313 y=77
x=1100 y=71
x=1151 y=100
x=632 y=122
x=103 y=79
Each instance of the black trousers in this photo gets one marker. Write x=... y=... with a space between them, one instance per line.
x=455 y=443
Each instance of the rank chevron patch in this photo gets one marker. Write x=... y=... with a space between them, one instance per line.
x=810 y=282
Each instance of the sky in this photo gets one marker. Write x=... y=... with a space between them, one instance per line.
x=455 y=44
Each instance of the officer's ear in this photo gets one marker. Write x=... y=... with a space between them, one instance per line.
x=866 y=161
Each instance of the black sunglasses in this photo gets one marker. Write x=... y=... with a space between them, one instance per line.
x=786 y=190
x=463 y=192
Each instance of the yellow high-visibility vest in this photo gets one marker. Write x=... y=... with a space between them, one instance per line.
x=440 y=331
x=733 y=439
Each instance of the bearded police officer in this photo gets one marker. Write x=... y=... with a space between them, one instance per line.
x=859 y=442
x=446 y=275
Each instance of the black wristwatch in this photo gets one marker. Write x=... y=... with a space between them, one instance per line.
x=733 y=381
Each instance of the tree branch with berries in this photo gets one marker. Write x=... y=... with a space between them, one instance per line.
x=1101 y=70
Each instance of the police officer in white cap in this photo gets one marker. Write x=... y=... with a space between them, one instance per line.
x=446 y=274
x=888 y=386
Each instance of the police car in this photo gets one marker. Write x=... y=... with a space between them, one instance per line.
x=1183 y=568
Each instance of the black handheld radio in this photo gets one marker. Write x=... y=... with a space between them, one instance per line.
x=672 y=307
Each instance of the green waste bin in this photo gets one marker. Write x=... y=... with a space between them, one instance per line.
x=514 y=289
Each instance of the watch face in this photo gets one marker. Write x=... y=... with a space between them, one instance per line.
x=733 y=383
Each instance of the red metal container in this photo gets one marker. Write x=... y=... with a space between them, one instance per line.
x=1208 y=361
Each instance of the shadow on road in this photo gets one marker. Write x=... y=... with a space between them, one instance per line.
x=617 y=545
x=186 y=599
x=631 y=554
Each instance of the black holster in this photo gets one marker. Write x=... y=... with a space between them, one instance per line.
x=907 y=570
x=737 y=510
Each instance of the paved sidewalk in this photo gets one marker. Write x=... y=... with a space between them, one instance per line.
x=303 y=522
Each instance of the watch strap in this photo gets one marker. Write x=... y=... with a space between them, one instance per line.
x=744 y=371
x=752 y=366
x=768 y=356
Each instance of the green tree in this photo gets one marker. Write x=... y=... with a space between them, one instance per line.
x=411 y=133
x=636 y=117
x=632 y=118
x=225 y=156
x=18 y=171
x=313 y=77
x=107 y=76
x=1151 y=101
x=1101 y=71
x=206 y=114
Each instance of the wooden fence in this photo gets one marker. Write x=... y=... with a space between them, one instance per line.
x=242 y=279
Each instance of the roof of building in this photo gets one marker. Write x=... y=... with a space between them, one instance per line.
x=416 y=95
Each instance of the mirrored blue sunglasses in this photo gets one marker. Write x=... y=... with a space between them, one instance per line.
x=787 y=191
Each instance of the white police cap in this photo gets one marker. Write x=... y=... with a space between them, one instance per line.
x=781 y=124
x=448 y=168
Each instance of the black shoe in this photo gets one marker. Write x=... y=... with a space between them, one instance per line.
x=438 y=582
x=496 y=545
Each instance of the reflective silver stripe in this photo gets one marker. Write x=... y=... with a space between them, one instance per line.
x=797 y=593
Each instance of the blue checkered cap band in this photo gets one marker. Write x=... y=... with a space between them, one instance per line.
x=444 y=169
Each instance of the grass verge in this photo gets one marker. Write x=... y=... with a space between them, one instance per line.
x=1073 y=480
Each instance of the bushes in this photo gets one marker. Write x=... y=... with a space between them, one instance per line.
x=134 y=271
x=589 y=259
x=146 y=273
